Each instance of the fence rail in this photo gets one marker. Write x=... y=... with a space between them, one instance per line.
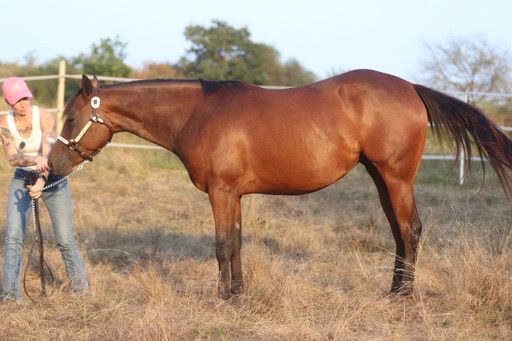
x=62 y=76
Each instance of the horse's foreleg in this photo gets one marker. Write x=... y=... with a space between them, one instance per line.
x=237 y=284
x=224 y=204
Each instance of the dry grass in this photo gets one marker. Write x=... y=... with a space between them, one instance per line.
x=316 y=266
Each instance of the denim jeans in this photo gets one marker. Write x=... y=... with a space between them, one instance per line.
x=58 y=202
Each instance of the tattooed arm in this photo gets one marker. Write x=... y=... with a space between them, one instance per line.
x=47 y=123
x=48 y=137
x=13 y=156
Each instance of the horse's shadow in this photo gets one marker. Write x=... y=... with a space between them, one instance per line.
x=122 y=250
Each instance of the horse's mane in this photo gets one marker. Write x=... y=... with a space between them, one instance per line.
x=208 y=86
x=211 y=86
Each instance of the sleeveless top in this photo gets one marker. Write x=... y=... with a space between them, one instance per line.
x=31 y=145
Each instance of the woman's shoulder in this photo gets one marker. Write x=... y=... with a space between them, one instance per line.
x=45 y=114
x=47 y=119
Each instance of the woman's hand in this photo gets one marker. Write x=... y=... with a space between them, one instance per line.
x=35 y=190
x=42 y=164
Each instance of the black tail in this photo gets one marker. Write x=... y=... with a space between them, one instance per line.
x=450 y=117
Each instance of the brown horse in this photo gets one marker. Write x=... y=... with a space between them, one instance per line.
x=236 y=138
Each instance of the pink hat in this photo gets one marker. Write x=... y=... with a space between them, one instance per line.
x=14 y=89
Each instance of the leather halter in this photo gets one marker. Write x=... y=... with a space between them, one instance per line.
x=72 y=144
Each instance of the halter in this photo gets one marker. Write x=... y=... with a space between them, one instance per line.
x=72 y=144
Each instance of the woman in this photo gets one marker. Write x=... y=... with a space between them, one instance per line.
x=26 y=134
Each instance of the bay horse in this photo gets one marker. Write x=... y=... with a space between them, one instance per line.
x=236 y=138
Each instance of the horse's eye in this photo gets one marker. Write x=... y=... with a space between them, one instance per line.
x=70 y=119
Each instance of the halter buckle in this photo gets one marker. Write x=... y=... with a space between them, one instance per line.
x=96 y=118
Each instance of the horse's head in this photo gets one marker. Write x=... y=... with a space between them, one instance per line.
x=84 y=133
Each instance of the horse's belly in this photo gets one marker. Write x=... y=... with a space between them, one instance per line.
x=303 y=175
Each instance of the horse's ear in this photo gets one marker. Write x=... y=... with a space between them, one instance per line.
x=86 y=85
x=95 y=82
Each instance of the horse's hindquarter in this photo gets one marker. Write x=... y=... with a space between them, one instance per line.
x=392 y=119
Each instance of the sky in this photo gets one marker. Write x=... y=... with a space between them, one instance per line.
x=325 y=36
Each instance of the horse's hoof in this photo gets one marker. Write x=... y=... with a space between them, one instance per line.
x=402 y=291
x=237 y=286
x=225 y=293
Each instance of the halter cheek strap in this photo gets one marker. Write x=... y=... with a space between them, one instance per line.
x=73 y=143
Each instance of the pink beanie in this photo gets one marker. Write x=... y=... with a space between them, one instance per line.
x=14 y=89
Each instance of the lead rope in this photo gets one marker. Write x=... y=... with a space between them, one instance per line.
x=39 y=237
x=42 y=262
x=73 y=173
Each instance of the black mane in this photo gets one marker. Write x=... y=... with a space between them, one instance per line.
x=211 y=86
x=208 y=86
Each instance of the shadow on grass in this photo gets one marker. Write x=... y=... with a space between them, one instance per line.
x=121 y=250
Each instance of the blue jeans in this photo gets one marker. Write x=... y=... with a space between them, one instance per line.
x=58 y=202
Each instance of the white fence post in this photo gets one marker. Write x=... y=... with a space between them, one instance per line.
x=462 y=173
x=60 y=94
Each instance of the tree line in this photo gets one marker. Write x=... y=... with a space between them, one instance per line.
x=217 y=52
x=220 y=51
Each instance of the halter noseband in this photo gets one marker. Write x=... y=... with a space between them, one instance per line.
x=73 y=143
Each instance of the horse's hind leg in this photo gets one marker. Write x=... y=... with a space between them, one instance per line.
x=397 y=199
x=407 y=232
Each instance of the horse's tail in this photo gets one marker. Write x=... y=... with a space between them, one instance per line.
x=450 y=117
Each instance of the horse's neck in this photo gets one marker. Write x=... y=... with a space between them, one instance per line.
x=156 y=114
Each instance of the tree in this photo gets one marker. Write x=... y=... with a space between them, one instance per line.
x=155 y=70
x=467 y=65
x=105 y=59
x=472 y=66
x=290 y=73
x=224 y=52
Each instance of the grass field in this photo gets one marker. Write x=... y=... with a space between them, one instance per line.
x=316 y=266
